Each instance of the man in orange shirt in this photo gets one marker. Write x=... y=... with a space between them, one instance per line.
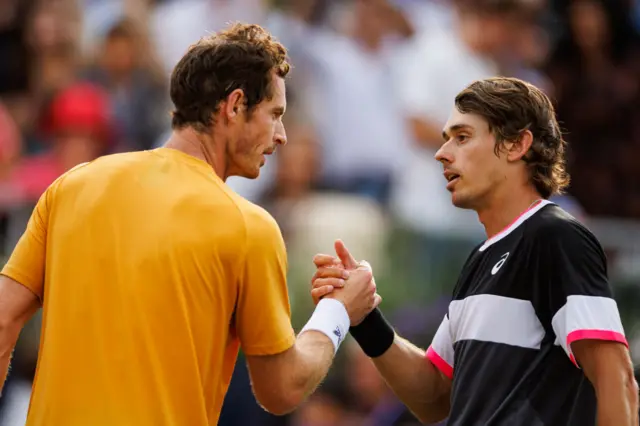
x=152 y=273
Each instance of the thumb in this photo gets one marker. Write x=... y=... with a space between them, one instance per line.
x=377 y=299
x=346 y=258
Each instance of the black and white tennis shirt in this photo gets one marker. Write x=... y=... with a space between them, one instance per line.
x=521 y=299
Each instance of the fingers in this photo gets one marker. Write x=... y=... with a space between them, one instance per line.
x=324 y=260
x=345 y=256
x=320 y=292
x=323 y=282
x=330 y=272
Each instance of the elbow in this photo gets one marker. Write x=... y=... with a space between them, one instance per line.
x=281 y=403
x=279 y=397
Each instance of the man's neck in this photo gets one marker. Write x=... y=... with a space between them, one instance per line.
x=200 y=146
x=503 y=211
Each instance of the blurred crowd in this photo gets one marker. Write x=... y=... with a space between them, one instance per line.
x=373 y=83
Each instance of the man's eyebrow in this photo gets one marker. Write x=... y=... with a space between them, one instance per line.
x=455 y=128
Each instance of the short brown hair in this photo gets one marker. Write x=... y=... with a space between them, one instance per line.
x=512 y=106
x=241 y=57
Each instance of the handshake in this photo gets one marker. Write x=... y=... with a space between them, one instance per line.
x=344 y=279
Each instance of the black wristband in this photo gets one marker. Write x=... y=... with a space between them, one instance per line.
x=374 y=334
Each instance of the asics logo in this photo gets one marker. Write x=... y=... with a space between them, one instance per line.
x=338 y=334
x=498 y=265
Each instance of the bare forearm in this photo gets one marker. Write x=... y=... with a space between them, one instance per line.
x=618 y=406
x=415 y=380
x=311 y=359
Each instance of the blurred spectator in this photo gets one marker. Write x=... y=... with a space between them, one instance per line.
x=427 y=15
x=354 y=107
x=596 y=72
x=14 y=15
x=53 y=41
x=138 y=95
x=10 y=148
x=10 y=142
x=77 y=127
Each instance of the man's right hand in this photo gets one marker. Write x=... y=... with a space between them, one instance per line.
x=352 y=281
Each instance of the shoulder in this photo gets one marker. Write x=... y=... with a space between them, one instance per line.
x=58 y=182
x=554 y=229
x=261 y=227
x=101 y=164
x=554 y=223
x=101 y=171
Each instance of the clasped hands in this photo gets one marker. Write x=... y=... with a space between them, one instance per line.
x=343 y=278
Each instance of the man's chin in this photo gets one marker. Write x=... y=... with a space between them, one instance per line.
x=252 y=174
x=460 y=201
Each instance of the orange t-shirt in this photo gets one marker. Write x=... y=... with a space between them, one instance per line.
x=152 y=273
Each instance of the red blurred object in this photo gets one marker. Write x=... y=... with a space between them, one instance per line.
x=80 y=108
x=77 y=127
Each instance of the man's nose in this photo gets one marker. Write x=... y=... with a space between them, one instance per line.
x=443 y=155
x=280 y=136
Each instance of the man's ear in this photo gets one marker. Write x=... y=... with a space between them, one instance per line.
x=233 y=104
x=517 y=149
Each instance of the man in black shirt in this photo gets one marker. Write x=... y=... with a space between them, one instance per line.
x=533 y=336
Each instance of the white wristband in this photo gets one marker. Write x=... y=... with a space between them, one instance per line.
x=331 y=319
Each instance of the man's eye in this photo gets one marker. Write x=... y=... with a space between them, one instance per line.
x=462 y=138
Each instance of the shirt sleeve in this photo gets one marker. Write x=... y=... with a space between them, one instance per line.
x=263 y=314
x=440 y=353
x=582 y=304
x=27 y=262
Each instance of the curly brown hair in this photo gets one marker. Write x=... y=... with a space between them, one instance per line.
x=512 y=106
x=244 y=56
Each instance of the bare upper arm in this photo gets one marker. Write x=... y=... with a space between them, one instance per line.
x=17 y=303
x=604 y=362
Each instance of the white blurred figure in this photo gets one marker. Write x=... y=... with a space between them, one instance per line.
x=355 y=108
x=427 y=15
x=176 y=24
